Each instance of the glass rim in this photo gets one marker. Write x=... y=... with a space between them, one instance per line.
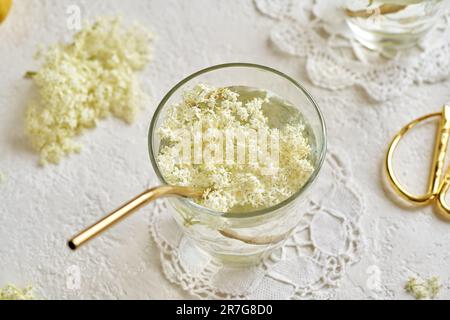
x=258 y=212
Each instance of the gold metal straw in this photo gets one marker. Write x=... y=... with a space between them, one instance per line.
x=133 y=205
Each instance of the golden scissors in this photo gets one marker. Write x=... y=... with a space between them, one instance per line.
x=439 y=183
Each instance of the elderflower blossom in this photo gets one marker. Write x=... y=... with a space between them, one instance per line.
x=231 y=185
x=11 y=292
x=427 y=289
x=85 y=81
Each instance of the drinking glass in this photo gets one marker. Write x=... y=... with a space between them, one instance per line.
x=234 y=237
x=392 y=25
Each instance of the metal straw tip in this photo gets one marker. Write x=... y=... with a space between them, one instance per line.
x=71 y=245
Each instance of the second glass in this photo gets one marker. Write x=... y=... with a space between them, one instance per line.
x=392 y=25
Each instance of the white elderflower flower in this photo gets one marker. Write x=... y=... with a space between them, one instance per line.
x=11 y=292
x=231 y=183
x=85 y=81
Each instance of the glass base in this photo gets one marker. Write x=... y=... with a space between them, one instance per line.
x=388 y=43
x=238 y=261
x=234 y=260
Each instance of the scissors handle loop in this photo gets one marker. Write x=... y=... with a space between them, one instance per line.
x=438 y=184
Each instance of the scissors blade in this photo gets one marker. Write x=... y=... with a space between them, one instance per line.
x=440 y=151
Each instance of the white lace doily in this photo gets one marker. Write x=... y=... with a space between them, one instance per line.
x=316 y=30
x=310 y=263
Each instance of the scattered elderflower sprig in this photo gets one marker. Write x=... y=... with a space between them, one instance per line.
x=428 y=289
x=11 y=292
x=231 y=184
x=84 y=81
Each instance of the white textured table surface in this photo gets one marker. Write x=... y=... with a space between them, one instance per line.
x=41 y=207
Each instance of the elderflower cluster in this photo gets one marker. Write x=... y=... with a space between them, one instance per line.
x=11 y=292
x=426 y=289
x=85 y=81
x=230 y=185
